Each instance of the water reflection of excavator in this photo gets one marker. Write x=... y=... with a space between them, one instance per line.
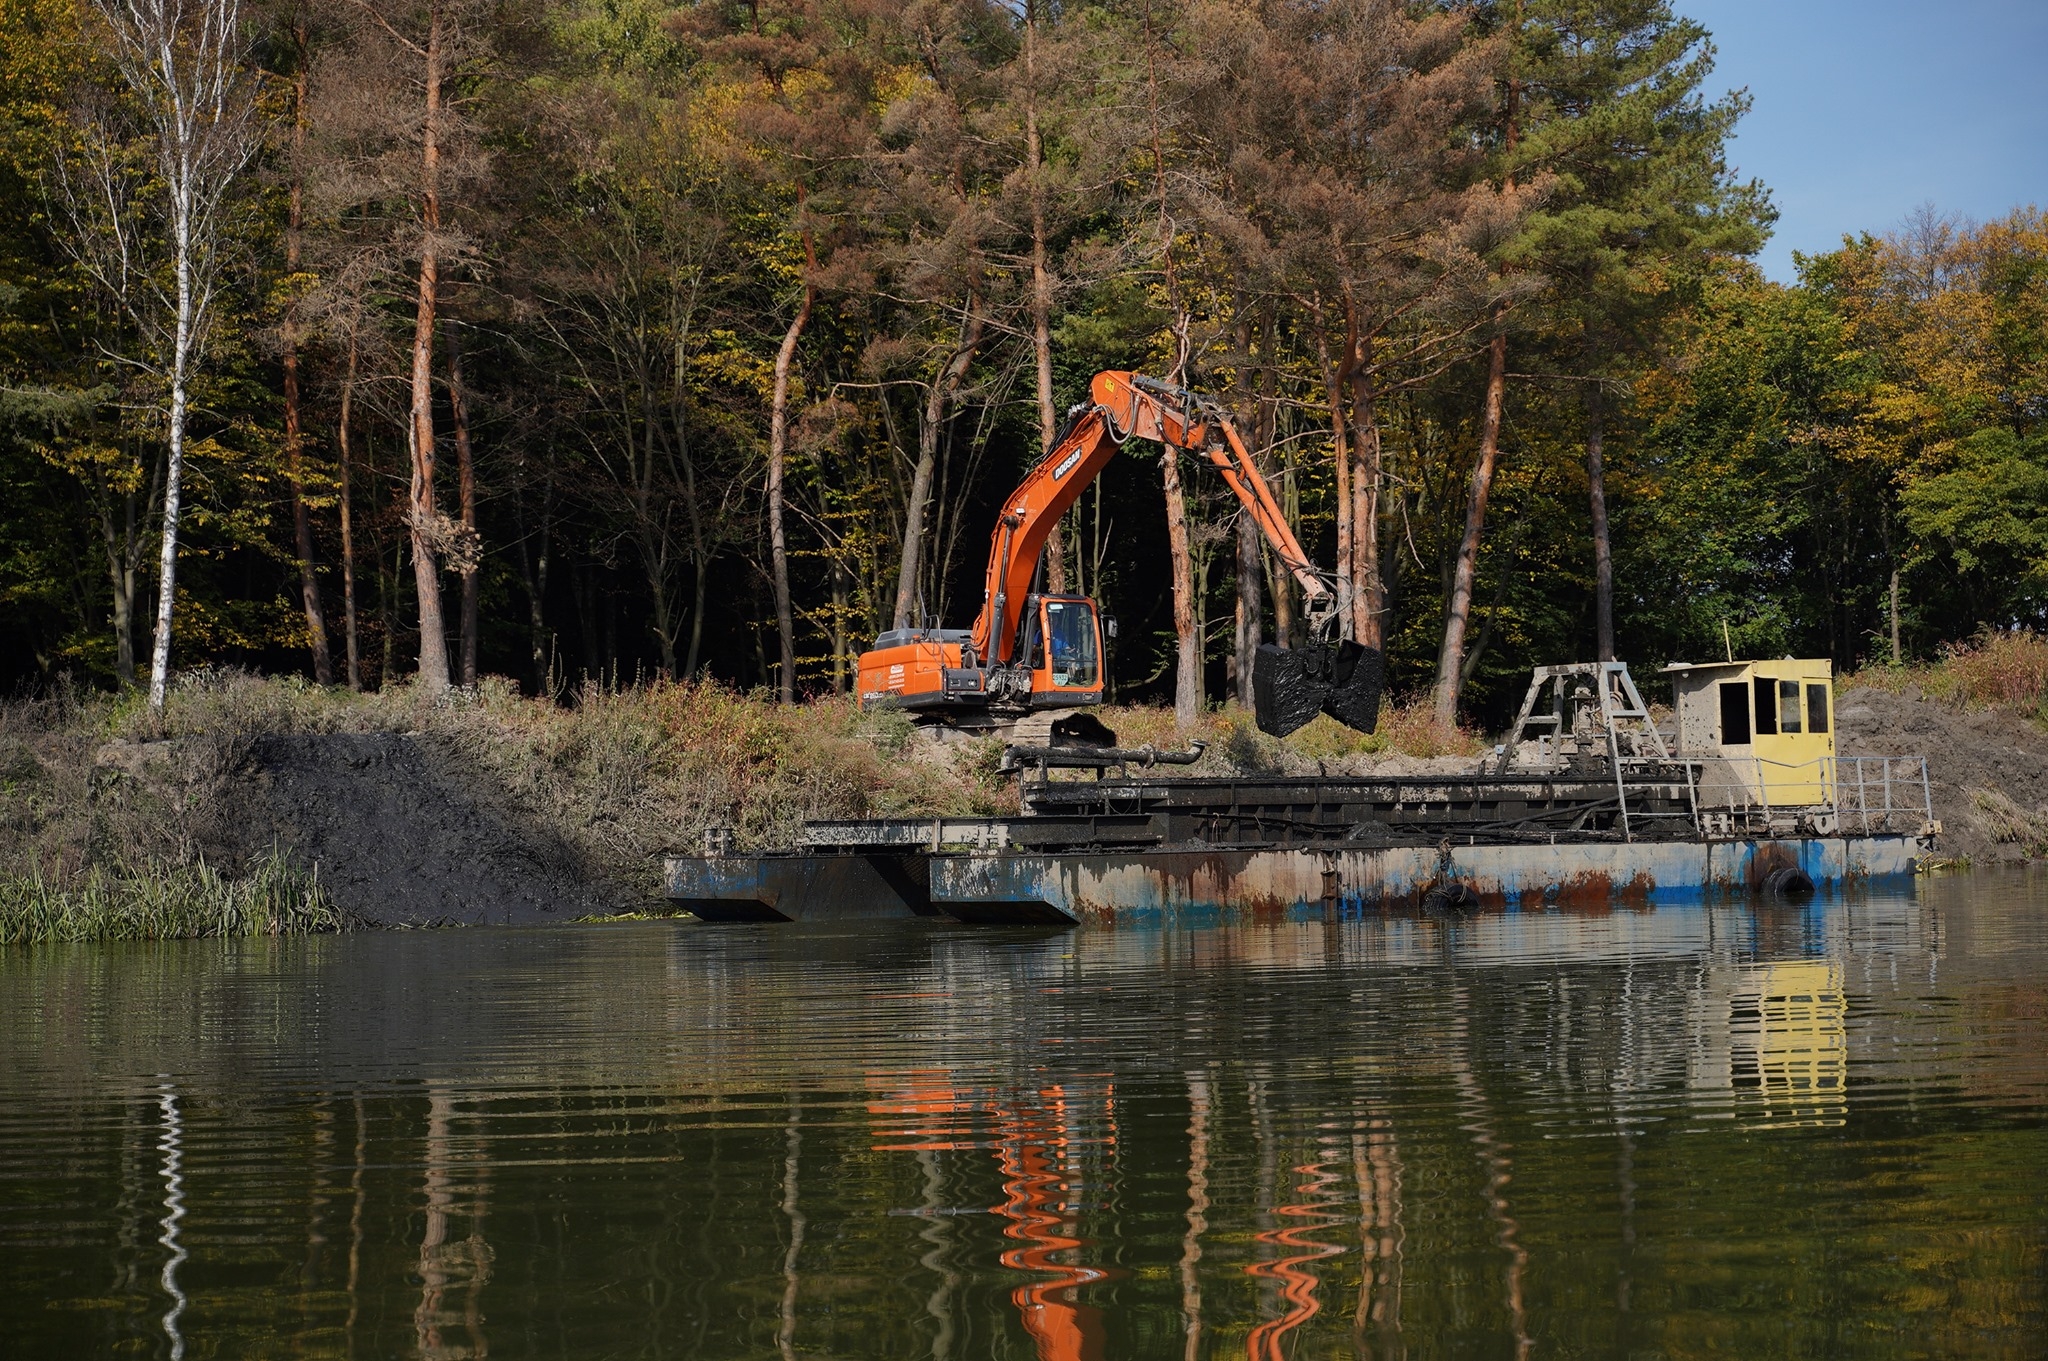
x=1035 y=1145
x=1039 y=1196
x=1034 y=653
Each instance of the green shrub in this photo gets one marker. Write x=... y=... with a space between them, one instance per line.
x=2005 y=668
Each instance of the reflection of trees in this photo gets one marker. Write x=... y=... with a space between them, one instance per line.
x=1198 y=1212
x=749 y=1192
x=463 y=1264
x=357 y=1194
x=1376 y=1165
x=1493 y=1155
x=785 y=1330
x=172 y=1146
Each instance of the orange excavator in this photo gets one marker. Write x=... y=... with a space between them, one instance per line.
x=1030 y=653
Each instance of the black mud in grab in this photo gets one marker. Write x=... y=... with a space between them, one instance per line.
x=1082 y=729
x=1290 y=686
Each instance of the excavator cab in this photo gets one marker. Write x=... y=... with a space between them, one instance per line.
x=1063 y=649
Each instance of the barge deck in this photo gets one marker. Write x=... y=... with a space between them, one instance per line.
x=1201 y=849
x=1585 y=805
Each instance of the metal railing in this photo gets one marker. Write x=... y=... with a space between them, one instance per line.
x=1864 y=795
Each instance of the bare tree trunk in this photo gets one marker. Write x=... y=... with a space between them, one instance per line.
x=1266 y=428
x=423 y=514
x=944 y=384
x=1251 y=604
x=124 y=570
x=123 y=584
x=465 y=481
x=533 y=570
x=1450 y=662
x=294 y=442
x=1187 y=674
x=1895 y=617
x=1603 y=554
x=840 y=584
x=778 y=443
x=1251 y=566
x=1340 y=455
x=1368 y=591
x=700 y=553
x=348 y=545
x=1041 y=294
x=390 y=590
x=654 y=545
x=536 y=601
x=184 y=63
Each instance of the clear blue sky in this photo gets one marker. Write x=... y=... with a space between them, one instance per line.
x=1863 y=111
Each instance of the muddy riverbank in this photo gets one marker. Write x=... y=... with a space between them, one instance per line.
x=493 y=809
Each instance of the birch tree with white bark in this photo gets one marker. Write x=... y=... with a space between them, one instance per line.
x=153 y=241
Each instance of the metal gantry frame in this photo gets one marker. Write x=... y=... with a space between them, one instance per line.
x=1619 y=703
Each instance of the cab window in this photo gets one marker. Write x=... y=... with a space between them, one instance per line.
x=1788 y=706
x=1734 y=714
x=1070 y=642
x=1816 y=708
x=1766 y=707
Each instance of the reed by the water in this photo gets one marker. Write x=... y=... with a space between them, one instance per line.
x=159 y=900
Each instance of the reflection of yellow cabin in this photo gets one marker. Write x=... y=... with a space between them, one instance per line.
x=1771 y=1041
x=1790 y=1038
x=1765 y=731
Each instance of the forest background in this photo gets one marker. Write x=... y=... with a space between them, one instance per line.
x=612 y=339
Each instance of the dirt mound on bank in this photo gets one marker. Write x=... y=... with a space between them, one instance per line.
x=1988 y=768
x=399 y=837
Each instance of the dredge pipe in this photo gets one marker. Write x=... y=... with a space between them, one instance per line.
x=1097 y=758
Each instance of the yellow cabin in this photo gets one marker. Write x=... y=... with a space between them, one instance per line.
x=1764 y=731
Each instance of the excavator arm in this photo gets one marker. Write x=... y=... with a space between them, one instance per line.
x=1126 y=405
x=939 y=671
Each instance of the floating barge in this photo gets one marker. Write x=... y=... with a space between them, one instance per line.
x=1594 y=810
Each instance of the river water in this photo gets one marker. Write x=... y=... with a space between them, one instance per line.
x=1730 y=1131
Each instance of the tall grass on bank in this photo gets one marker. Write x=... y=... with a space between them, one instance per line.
x=2008 y=823
x=2003 y=668
x=161 y=901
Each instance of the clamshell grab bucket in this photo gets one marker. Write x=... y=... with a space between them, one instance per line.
x=1290 y=686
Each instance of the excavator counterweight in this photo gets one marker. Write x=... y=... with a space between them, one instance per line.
x=1031 y=651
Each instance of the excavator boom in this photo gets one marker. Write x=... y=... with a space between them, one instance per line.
x=1124 y=405
x=1030 y=650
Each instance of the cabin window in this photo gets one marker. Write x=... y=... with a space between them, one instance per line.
x=1788 y=706
x=1816 y=708
x=1070 y=631
x=1734 y=714
x=1766 y=707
